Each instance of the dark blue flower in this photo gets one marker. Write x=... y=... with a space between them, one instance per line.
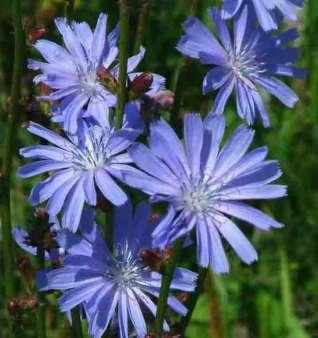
x=246 y=64
x=77 y=164
x=265 y=10
x=112 y=285
x=204 y=184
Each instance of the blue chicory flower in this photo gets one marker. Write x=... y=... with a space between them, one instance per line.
x=77 y=164
x=246 y=64
x=265 y=10
x=73 y=72
x=204 y=184
x=112 y=285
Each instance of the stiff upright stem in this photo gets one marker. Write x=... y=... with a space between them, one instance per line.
x=165 y=287
x=8 y=151
x=124 y=13
x=69 y=7
x=178 y=82
x=142 y=25
x=76 y=324
x=193 y=299
x=41 y=327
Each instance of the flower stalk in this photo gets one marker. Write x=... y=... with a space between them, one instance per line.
x=69 y=7
x=124 y=12
x=142 y=25
x=8 y=151
x=76 y=324
x=178 y=82
x=193 y=299
x=41 y=327
x=165 y=287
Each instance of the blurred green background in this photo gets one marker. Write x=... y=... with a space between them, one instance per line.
x=277 y=296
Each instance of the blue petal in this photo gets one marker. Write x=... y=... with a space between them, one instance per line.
x=76 y=296
x=278 y=89
x=73 y=206
x=146 y=160
x=40 y=167
x=99 y=39
x=193 y=136
x=233 y=150
x=236 y=239
x=109 y=188
x=248 y=214
x=45 y=189
x=136 y=315
x=254 y=192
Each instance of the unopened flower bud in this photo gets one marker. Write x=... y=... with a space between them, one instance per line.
x=26 y=269
x=36 y=33
x=164 y=98
x=154 y=217
x=151 y=258
x=13 y=306
x=41 y=214
x=167 y=254
x=45 y=90
x=183 y=297
x=24 y=263
x=141 y=83
x=107 y=79
x=31 y=303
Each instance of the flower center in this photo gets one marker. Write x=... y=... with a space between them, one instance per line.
x=89 y=83
x=93 y=152
x=88 y=79
x=124 y=268
x=198 y=196
x=243 y=63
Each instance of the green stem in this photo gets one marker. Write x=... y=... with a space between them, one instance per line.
x=142 y=24
x=41 y=327
x=165 y=287
x=178 y=82
x=76 y=324
x=124 y=12
x=177 y=88
x=193 y=299
x=69 y=8
x=9 y=150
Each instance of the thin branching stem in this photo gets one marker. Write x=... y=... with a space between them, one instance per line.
x=8 y=150
x=165 y=287
x=178 y=82
x=124 y=13
x=41 y=321
x=76 y=324
x=69 y=8
x=193 y=299
x=142 y=24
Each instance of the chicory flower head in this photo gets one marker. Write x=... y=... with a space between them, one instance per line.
x=77 y=164
x=265 y=10
x=73 y=72
x=204 y=184
x=112 y=285
x=246 y=63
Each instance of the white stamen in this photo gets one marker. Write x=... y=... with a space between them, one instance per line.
x=198 y=196
x=93 y=153
x=124 y=268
